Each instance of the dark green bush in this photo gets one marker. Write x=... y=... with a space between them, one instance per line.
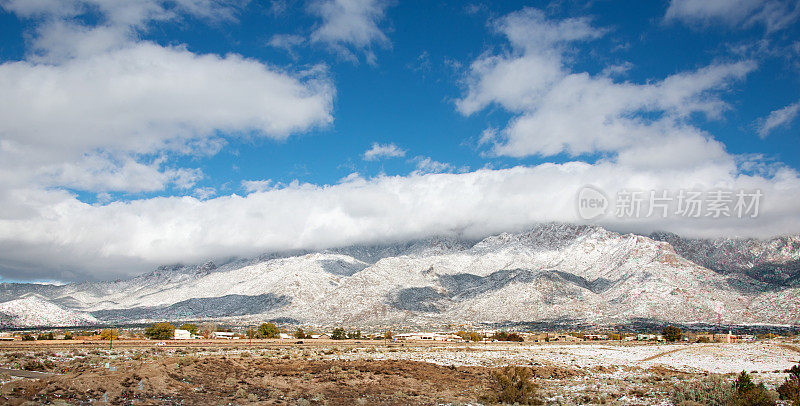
x=513 y=385
x=790 y=388
x=672 y=333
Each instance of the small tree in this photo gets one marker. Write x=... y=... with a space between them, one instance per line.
x=160 y=331
x=387 y=335
x=68 y=335
x=28 y=337
x=338 y=334
x=672 y=333
x=268 y=330
x=109 y=334
x=790 y=388
x=299 y=333
x=190 y=327
x=750 y=394
x=354 y=335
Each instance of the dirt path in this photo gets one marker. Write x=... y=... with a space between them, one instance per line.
x=790 y=347
x=663 y=354
x=25 y=374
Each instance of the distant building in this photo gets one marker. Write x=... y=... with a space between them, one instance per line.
x=222 y=334
x=563 y=337
x=285 y=336
x=595 y=337
x=4 y=336
x=649 y=337
x=182 y=335
x=428 y=337
x=322 y=336
x=716 y=338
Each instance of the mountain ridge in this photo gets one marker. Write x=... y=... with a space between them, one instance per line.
x=553 y=271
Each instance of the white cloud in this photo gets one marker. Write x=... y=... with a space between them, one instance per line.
x=55 y=236
x=350 y=24
x=425 y=165
x=286 y=42
x=379 y=151
x=257 y=185
x=774 y=14
x=92 y=105
x=778 y=118
x=204 y=193
x=558 y=110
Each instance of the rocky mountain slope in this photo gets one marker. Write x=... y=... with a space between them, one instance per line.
x=554 y=272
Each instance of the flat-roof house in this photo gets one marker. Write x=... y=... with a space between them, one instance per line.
x=182 y=335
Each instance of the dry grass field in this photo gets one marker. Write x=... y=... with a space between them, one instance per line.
x=324 y=372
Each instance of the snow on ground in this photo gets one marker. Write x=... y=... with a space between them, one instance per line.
x=716 y=358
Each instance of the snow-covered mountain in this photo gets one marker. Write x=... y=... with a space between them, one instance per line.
x=554 y=272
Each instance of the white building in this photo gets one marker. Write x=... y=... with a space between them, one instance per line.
x=222 y=334
x=428 y=337
x=182 y=334
x=285 y=336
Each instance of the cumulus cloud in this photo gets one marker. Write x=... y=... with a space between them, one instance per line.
x=93 y=108
x=774 y=14
x=349 y=25
x=558 y=110
x=379 y=151
x=778 y=118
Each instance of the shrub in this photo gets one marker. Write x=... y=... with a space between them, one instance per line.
x=338 y=334
x=354 y=335
x=790 y=388
x=711 y=391
x=160 y=331
x=513 y=385
x=469 y=335
x=68 y=335
x=27 y=337
x=672 y=333
x=33 y=365
x=750 y=394
x=504 y=336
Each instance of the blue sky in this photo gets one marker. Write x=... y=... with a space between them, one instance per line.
x=119 y=111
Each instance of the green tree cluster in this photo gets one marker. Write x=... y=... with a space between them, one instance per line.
x=672 y=333
x=160 y=331
x=267 y=330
